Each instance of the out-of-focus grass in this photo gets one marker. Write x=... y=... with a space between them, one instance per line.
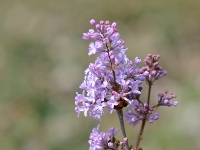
x=42 y=63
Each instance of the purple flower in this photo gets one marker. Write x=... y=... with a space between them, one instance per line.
x=153 y=117
x=92 y=22
x=165 y=100
x=140 y=111
x=102 y=140
x=96 y=47
x=85 y=101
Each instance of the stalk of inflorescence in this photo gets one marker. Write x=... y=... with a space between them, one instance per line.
x=139 y=138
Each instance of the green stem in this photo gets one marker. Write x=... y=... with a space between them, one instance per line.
x=121 y=120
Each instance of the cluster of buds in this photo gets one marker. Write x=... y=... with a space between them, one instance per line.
x=152 y=67
x=164 y=100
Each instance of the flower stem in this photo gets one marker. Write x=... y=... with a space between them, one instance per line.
x=121 y=120
x=149 y=92
x=140 y=133
x=144 y=120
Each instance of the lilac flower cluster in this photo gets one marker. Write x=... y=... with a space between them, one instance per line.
x=105 y=140
x=140 y=112
x=112 y=81
x=143 y=111
x=152 y=67
x=164 y=100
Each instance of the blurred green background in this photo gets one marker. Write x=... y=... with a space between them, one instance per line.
x=43 y=58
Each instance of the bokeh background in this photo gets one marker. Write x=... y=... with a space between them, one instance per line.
x=43 y=58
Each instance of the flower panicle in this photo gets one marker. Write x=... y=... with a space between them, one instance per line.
x=165 y=99
x=113 y=82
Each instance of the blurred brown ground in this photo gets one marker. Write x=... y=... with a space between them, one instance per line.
x=43 y=58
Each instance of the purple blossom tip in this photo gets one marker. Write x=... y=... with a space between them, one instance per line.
x=166 y=91
x=125 y=139
x=101 y=22
x=107 y=22
x=152 y=66
x=175 y=103
x=137 y=61
x=114 y=24
x=98 y=27
x=92 y=22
